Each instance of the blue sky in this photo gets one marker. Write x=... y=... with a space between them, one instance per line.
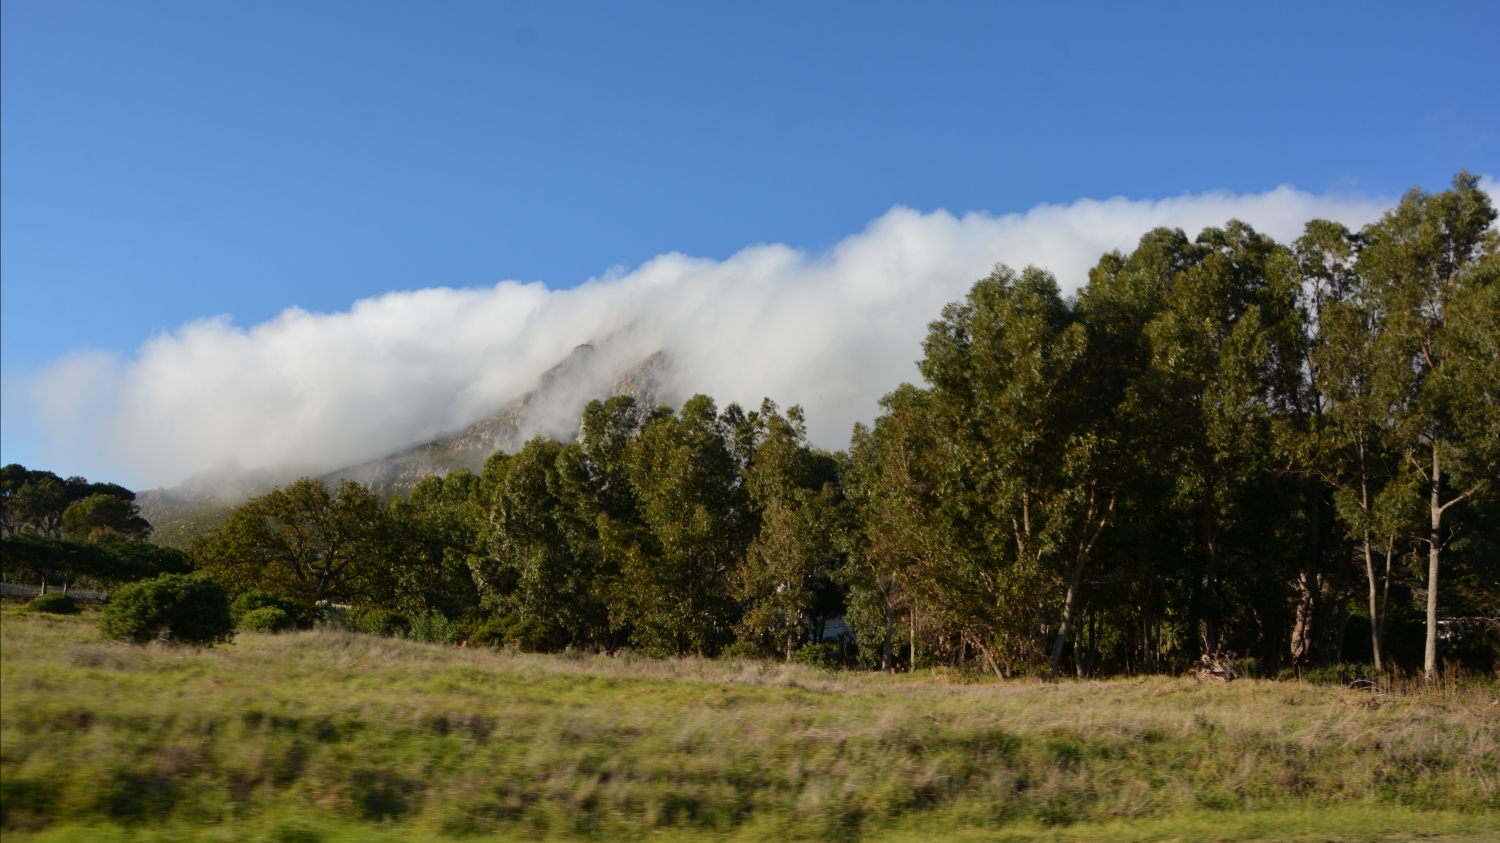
x=164 y=162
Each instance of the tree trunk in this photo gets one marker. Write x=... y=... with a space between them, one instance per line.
x=1385 y=594
x=1093 y=656
x=990 y=657
x=1336 y=604
x=912 y=613
x=1078 y=651
x=1434 y=547
x=1085 y=546
x=1306 y=637
x=1211 y=583
x=890 y=632
x=1302 y=635
x=1148 y=640
x=1067 y=615
x=1374 y=607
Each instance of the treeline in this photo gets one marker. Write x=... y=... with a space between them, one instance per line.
x=1221 y=445
x=74 y=532
x=1224 y=445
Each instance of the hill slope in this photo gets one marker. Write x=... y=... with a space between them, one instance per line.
x=553 y=408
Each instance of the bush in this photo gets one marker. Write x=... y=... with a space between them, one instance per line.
x=432 y=628
x=243 y=605
x=825 y=656
x=376 y=621
x=265 y=619
x=740 y=650
x=530 y=635
x=189 y=609
x=53 y=604
x=492 y=632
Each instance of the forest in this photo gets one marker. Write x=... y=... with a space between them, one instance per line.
x=1288 y=454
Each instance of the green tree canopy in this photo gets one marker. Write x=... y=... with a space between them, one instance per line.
x=104 y=518
x=305 y=542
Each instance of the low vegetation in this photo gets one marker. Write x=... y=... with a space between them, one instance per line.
x=331 y=734
x=53 y=604
x=181 y=608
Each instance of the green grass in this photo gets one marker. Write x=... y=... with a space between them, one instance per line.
x=333 y=736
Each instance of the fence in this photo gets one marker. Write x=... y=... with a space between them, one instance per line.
x=81 y=594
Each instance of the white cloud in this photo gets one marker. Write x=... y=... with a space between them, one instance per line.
x=832 y=332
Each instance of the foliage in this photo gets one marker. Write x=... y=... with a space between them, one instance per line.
x=432 y=628
x=187 y=609
x=54 y=603
x=265 y=619
x=740 y=650
x=28 y=557
x=295 y=612
x=785 y=581
x=694 y=524
x=374 y=620
x=37 y=502
x=104 y=518
x=824 y=656
x=1433 y=264
x=303 y=542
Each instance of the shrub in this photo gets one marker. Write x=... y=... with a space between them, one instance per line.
x=433 y=628
x=740 y=650
x=53 y=604
x=243 y=605
x=825 y=656
x=493 y=632
x=529 y=635
x=265 y=619
x=376 y=621
x=189 y=609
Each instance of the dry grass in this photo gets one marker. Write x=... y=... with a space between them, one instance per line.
x=344 y=728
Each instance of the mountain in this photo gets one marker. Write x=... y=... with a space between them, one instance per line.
x=552 y=409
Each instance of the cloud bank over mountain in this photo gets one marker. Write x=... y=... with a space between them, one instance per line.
x=310 y=392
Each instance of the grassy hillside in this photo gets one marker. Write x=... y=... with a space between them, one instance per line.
x=333 y=736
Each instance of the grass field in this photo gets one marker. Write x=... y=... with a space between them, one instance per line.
x=329 y=736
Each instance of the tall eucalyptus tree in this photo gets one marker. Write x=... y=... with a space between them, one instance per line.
x=1432 y=264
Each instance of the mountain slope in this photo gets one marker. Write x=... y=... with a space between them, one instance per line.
x=552 y=409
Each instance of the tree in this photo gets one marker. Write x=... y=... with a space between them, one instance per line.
x=104 y=518
x=39 y=504
x=676 y=572
x=892 y=481
x=435 y=533
x=529 y=568
x=1345 y=441
x=35 y=500
x=598 y=502
x=1023 y=441
x=28 y=557
x=1432 y=264
x=790 y=561
x=1225 y=360
x=303 y=542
